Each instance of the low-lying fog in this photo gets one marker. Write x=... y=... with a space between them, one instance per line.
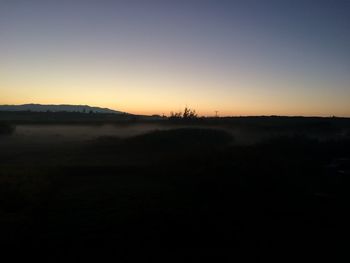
x=43 y=134
x=83 y=132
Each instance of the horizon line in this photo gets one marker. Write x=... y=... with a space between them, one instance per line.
x=201 y=116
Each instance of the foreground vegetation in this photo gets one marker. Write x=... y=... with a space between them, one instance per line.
x=6 y=129
x=187 y=187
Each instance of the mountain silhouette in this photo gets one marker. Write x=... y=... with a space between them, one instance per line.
x=58 y=108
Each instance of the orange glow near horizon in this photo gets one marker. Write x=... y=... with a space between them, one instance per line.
x=147 y=94
x=144 y=107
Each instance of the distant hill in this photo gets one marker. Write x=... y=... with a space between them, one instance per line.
x=58 y=108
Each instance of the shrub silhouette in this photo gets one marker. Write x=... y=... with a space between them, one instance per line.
x=6 y=129
x=187 y=114
x=180 y=138
x=176 y=115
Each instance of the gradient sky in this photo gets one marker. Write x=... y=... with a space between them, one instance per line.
x=151 y=57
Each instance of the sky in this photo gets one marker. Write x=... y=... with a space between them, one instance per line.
x=247 y=57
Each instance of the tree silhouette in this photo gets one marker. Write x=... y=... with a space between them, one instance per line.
x=176 y=115
x=187 y=114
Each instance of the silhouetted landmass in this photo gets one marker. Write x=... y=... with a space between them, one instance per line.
x=57 y=108
x=254 y=122
x=190 y=184
x=66 y=117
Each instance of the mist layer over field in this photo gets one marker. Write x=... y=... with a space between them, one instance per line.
x=58 y=133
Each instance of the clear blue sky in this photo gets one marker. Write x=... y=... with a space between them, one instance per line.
x=237 y=57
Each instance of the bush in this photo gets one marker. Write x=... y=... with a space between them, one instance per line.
x=188 y=114
x=6 y=129
x=181 y=138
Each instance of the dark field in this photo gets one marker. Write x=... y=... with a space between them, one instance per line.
x=248 y=186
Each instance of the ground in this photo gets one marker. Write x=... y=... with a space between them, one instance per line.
x=179 y=187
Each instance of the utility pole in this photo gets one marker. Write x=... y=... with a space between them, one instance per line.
x=216 y=114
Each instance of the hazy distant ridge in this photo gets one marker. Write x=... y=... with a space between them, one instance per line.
x=57 y=108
